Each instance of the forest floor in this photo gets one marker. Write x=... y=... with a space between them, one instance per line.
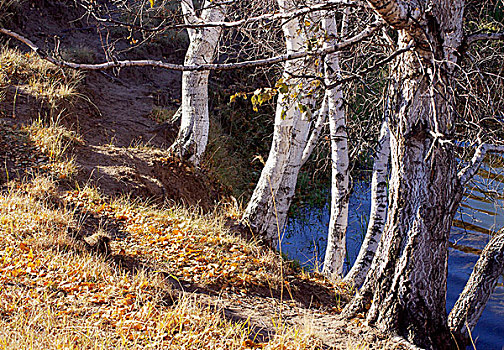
x=84 y=162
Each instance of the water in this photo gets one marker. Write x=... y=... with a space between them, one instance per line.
x=479 y=216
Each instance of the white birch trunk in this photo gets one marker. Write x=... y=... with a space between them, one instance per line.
x=287 y=186
x=267 y=210
x=193 y=134
x=378 y=211
x=406 y=284
x=472 y=301
x=336 y=240
x=321 y=116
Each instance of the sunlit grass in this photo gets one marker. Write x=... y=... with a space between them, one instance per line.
x=28 y=73
x=55 y=292
x=55 y=140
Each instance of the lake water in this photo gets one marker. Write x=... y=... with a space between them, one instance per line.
x=479 y=216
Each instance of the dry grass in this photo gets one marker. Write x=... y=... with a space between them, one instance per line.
x=57 y=91
x=30 y=74
x=55 y=141
x=57 y=295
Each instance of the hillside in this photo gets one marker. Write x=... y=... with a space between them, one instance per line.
x=109 y=242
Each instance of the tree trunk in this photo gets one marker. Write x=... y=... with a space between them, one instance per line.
x=267 y=210
x=472 y=301
x=378 y=212
x=407 y=279
x=340 y=192
x=193 y=134
x=320 y=117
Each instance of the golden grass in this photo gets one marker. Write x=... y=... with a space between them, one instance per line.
x=55 y=294
x=30 y=74
x=55 y=140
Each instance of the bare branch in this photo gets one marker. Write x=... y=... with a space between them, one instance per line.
x=375 y=26
x=328 y=5
x=484 y=36
x=466 y=174
x=378 y=64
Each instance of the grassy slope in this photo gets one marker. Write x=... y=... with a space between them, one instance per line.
x=57 y=292
x=169 y=279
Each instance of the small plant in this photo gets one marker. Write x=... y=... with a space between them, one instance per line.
x=79 y=54
x=161 y=115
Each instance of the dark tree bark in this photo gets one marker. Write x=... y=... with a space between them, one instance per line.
x=407 y=279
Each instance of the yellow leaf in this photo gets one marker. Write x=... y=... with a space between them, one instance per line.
x=251 y=344
x=151 y=3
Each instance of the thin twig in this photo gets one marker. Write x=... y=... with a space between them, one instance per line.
x=328 y=5
x=484 y=36
x=202 y=67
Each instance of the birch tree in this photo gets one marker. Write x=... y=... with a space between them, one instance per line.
x=192 y=138
x=378 y=211
x=406 y=284
x=340 y=191
x=267 y=209
x=407 y=280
